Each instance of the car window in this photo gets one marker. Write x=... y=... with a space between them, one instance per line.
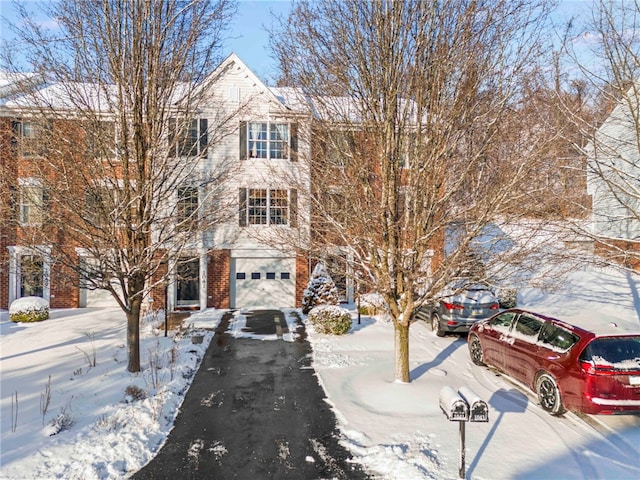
x=503 y=321
x=528 y=326
x=557 y=338
x=621 y=353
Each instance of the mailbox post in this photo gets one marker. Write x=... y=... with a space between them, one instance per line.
x=463 y=406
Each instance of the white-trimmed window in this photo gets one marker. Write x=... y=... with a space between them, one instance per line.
x=187 y=207
x=263 y=206
x=32 y=203
x=32 y=137
x=268 y=140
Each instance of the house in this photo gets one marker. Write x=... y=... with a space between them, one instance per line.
x=254 y=256
x=613 y=181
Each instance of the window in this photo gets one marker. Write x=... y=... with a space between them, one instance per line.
x=503 y=322
x=32 y=137
x=266 y=140
x=189 y=138
x=32 y=202
x=557 y=337
x=99 y=205
x=241 y=276
x=285 y=275
x=100 y=138
x=187 y=207
x=255 y=275
x=528 y=326
x=620 y=353
x=271 y=275
x=261 y=206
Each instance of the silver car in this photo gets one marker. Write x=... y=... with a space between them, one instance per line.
x=457 y=312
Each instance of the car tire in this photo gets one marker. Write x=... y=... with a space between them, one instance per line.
x=475 y=350
x=435 y=325
x=549 y=394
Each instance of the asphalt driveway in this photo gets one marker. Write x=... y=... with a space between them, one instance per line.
x=255 y=410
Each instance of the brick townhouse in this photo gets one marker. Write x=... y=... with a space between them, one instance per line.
x=235 y=264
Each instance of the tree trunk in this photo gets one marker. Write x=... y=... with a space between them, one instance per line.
x=133 y=337
x=402 y=352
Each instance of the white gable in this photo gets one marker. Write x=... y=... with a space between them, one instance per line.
x=613 y=175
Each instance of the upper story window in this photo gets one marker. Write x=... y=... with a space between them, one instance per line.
x=268 y=140
x=32 y=137
x=188 y=138
x=32 y=202
x=100 y=139
x=262 y=206
x=187 y=207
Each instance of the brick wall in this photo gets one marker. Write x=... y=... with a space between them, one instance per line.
x=302 y=276
x=218 y=279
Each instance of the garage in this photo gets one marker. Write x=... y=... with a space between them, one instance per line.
x=265 y=282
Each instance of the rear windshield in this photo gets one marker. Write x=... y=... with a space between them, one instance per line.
x=622 y=353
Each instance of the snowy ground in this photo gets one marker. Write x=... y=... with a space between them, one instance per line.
x=396 y=430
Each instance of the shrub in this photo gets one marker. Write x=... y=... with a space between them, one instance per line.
x=372 y=304
x=508 y=297
x=330 y=319
x=29 y=309
x=320 y=290
x=134 y=393
x=58 y=424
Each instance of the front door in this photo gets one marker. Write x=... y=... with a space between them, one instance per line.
x=31 y=276
x=188 y=283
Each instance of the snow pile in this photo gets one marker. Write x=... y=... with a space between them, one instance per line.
x=95 y=426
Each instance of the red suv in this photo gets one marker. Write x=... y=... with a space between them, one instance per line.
x=591 y=370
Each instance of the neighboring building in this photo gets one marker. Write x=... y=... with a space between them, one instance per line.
x=613 y=181
x=235 y=264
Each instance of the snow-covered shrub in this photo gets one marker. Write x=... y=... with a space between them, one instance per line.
x=29 y=309
x=508 y=297
x=371 y=304
x=330 y=319
x=320 y=290
x=58 y=424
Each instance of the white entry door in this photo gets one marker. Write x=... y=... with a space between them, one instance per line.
x=263 y=282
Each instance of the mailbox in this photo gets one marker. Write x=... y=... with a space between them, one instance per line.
x=453 y=405
x=478 y=408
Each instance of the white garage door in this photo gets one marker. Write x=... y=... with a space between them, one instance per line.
x=263 y=282
x=96 y=298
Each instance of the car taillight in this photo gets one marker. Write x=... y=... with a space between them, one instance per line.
x=494 y=306
x=595 y=368
x=452 y=306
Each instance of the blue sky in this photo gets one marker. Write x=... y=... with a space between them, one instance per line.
x=248 y=36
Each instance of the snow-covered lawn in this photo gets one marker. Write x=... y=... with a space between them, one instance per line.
x=396 y=430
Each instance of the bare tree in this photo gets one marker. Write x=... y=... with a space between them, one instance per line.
x=419 y=124
x=121 y=128
x=610 y=65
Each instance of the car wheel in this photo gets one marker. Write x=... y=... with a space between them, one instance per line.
x=435 y=325
x=549 y=394
x=475 y=350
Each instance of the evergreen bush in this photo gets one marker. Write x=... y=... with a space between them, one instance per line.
x=320 y=290
x=29 y=309
x=330 y=319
